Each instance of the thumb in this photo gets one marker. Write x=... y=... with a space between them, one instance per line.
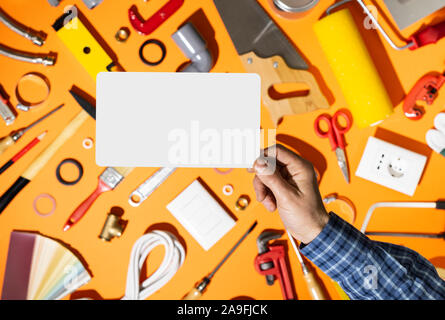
x=267 y=172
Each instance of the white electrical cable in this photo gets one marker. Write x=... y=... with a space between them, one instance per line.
x=394 y=205
x=436 y=140
x=439 y=122
x=173 y=260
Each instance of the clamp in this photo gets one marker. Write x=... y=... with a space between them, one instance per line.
x=6 y=112
x=148 y=26
x=426 y=89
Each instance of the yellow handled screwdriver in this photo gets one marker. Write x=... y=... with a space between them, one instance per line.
x=197 y=292
x=12 y=138
x=314 y=287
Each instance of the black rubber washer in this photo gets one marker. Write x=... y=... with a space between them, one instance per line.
x=159 y=44
x=78 y=166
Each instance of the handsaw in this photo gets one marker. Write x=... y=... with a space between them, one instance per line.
x=408 y=12
x=265 y=50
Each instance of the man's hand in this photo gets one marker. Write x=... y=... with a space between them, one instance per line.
x=287 y=182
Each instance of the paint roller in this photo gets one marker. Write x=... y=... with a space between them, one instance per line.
x=354 y=69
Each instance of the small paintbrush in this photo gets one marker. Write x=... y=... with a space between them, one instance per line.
x=108 y=180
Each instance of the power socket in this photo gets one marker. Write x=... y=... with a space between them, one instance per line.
x=391 y=166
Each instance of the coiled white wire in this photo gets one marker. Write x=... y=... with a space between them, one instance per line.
x=173 y=260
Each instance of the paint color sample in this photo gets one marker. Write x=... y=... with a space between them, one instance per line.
x=148 y=119
x=39 y=268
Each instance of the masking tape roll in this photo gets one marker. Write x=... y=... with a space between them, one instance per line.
x=354 y=69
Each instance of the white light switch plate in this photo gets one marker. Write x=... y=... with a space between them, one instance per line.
x=391 y=166
x=201 y=215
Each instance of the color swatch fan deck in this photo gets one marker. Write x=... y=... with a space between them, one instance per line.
x=39 y=268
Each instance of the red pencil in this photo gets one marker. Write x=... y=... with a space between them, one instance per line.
x=22 y=152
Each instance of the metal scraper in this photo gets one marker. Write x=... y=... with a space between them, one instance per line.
x=407 y=12
x=264 y=49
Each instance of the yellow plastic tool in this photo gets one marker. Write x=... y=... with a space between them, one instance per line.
x=354 y=69
x=82 y=44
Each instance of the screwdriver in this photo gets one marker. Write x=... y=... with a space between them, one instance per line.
x=197 y=292
x=407 y=235
x=8 y=141
x=314 y=286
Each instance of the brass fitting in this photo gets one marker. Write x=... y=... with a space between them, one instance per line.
x=242 y=203
x=114 y=227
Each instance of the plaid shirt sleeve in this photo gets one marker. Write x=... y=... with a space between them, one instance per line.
x=371 y=270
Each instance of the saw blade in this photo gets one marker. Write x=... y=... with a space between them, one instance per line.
x=251 y=29
x=408 y=12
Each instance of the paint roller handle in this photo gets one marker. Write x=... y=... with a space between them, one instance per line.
x=440 y=205
x=150 y=25
x=85 y=205
x=430 y=35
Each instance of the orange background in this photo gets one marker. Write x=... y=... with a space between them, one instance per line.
x=108 y=261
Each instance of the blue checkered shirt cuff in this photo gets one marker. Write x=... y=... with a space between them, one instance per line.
x=336 y=247
x=348 y=257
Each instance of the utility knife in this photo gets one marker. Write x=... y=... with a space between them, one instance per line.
x=265 y=50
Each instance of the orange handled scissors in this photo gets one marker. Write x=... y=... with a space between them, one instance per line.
x=335 y=134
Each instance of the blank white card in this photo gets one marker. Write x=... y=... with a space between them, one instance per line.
x=149 y=119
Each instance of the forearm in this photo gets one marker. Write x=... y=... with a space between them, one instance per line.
x=369 y=269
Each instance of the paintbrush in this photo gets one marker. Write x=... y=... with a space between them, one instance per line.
x=108 y=180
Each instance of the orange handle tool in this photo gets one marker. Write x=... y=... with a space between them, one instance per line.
x=426 y=89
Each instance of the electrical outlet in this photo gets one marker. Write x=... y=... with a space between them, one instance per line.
x=391 y=166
